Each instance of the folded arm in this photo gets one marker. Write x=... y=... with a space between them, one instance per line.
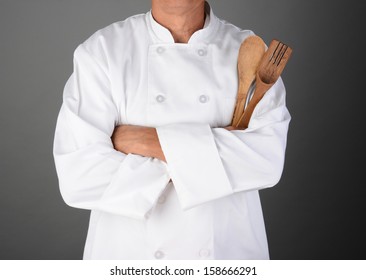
x=208 y=163
x=139 y=140
x=123 y=170
x=92 y=174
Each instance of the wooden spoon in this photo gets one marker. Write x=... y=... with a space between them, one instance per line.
x=270 y=69
x=250 y=54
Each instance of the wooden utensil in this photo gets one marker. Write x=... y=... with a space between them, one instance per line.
x=270 y=69
x=250 y=54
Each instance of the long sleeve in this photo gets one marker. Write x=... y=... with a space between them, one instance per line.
x=92 y=174
x=208 y=163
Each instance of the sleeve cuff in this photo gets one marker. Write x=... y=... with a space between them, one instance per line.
x=136 y=187
x=194 y=163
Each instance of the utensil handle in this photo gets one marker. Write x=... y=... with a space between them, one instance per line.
x=260 y=90
x=241 y=100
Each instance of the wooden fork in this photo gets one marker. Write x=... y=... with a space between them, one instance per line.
x=272 y=64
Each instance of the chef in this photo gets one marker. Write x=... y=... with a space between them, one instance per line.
x=143 y=139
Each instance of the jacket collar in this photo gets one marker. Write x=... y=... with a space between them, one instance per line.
x=163 y=35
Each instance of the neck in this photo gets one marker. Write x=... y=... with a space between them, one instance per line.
x=181 y=17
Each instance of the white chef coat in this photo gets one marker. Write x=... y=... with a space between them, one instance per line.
x=132 y=72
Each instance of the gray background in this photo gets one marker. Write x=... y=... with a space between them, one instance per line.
x=315 y=212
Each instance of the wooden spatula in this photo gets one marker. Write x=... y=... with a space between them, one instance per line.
x=270 y=69
x=250 y=54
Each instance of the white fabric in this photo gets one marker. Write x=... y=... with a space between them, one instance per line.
x=132 y=72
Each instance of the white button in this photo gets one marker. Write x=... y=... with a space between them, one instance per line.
x=160 y=50
x=161 y=199
x=203 y=98
x=160 y=98
x=159 y=255
x=204 y=253
x=201 y=52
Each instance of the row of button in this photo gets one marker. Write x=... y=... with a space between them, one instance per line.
x=204 y=253
x=200 y=52
x=202 y=98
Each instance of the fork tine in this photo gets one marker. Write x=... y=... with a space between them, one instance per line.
x=274 y=52
x=283 y=53
x=278 y=53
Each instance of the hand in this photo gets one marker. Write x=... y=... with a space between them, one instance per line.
x=140 y=140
